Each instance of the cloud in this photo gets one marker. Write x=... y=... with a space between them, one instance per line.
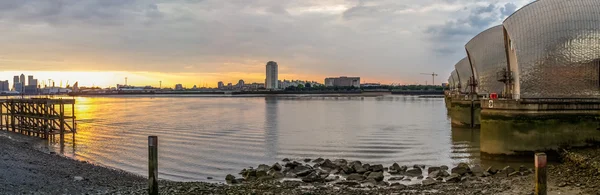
x=376 y=39
x=454 y=33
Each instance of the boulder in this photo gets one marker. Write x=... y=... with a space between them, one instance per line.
x=432 y=169
x=249 y=173
x=277 y=167
x=454 y=177
x=340 y=162
x=329 y=165
x=367 y=173
x=420 y=177
x=355 y=177
x=398 y=185
x=292 y=165
x=428 y=182
x=492 y=170
x=353 y=163
x=290 y=175
x=506 y=171
x=286 y=160
x=461 y=169
x=277 y=175
x=331 y=178
x=366 y=166
x=417 y=166
x=396 y=178
x=403 y=169
x=376 y=168
x=444 y=167
x=358 y=168
x=435 y=174
x=263 y=167
x=395 y=167
x=414 y=172
x=302 y=170
x=312 y=177
x=348 y=169
x=477 y=171
x=307 y=160
x=524 y=170
x=261 y=173
x=230 y=179
x=377 y=176
x=318 y=160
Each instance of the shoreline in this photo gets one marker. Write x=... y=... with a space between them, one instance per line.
x=28 y=170
x=263 y=93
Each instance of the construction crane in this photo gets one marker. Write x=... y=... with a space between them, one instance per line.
x=433 y=75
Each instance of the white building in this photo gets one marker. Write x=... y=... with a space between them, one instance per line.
x=271 y=82
x=342 y=81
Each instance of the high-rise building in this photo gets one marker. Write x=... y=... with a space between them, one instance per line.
x=15 y=81
x=33 y=82
x=4 y=86
x=22 y=79
x=220 y=85
x=30 y=80
x=271 y=82
x=19 y=87
x=240 y=84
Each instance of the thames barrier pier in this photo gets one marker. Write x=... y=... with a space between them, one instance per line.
x=40 y=117
x=536 y=78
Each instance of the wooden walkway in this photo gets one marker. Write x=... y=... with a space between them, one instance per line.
x=41 y=117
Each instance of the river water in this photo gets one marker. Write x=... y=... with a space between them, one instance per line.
x=202 y=137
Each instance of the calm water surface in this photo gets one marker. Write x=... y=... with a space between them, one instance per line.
x=202 y=137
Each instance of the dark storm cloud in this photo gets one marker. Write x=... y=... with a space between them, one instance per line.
x=455 y=33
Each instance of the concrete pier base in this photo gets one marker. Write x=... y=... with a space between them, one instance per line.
x=462 y=115
x=510 y=127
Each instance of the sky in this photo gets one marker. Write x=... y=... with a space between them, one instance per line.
x=201 y=42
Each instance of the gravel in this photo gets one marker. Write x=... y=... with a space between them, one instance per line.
x=26 y=170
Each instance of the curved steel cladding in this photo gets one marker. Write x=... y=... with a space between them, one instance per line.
x=553 y=49
x=487 y=57
x=455 y=79
x=463 y=68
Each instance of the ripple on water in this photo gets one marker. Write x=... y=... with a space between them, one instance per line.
x=212 y=137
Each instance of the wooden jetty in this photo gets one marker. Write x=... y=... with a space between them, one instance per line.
x=40 y=117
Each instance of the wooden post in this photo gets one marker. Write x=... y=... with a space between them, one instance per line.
x=12 y=116
x=152 y=165
x=62 y=123
x=1 y=115
x=540 y=173
x=46 y=125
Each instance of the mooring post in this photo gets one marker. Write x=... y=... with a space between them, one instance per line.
x=540 y=173
x=152 y=165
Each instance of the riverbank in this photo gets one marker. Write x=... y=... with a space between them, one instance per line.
x=28 y=170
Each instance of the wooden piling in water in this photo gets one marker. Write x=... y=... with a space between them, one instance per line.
x=540 y=174
x=40 y=117
x=152 y=165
